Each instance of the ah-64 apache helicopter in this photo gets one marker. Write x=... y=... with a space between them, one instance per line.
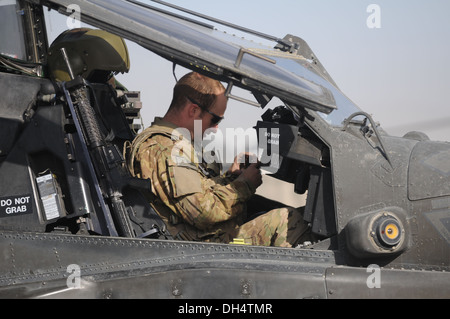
x=74 y=223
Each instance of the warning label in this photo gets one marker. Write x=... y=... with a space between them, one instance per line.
x=15 y=205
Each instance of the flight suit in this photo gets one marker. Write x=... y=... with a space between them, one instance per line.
x=196 y=203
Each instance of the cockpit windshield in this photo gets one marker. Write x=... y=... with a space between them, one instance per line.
x=303 y=68
x=192 y=44
x=263 y=69
x=12 y=42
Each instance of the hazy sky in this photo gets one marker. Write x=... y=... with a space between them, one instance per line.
x=398 y=71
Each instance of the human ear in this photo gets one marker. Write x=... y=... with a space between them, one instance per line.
x=193 y=110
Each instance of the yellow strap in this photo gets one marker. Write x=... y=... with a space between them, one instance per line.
x=239 y=241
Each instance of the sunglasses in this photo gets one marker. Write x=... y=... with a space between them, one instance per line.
x=215 y=120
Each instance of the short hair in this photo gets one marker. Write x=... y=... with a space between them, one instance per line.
x=198 y=88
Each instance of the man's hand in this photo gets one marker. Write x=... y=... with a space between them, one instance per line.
x=241 y=162
x=252 y=174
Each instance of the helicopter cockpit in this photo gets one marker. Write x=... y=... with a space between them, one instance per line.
x=67 y=197
x=89 y=58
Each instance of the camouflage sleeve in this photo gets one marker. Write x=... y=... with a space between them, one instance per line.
x=204 y=202
x=198 y=200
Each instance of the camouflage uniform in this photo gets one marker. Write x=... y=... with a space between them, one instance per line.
x=199 y=205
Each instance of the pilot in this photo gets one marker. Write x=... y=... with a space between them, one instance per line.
x=196 y=203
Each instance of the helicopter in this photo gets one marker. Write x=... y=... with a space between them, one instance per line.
x=74 y=223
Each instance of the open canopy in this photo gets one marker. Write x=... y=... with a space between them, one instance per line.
x=264 y=71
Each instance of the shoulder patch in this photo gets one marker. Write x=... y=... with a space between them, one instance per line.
x=186 y=181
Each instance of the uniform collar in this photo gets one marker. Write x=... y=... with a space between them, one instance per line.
x=163 y=125
x=160 y=125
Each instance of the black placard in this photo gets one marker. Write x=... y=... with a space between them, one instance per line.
x=15 y=205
